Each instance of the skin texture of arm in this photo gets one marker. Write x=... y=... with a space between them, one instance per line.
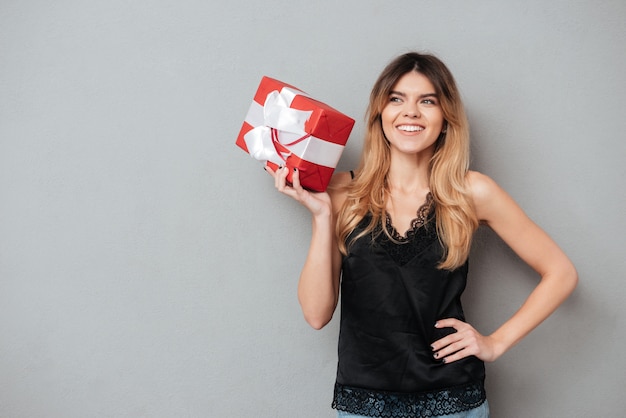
x=318 y=286
x=499 y=211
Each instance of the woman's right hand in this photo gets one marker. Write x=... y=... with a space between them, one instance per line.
x=318 y=203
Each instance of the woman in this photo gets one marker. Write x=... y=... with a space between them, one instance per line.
x=398 y=232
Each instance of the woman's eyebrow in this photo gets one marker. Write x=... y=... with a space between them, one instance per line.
x=421 y=96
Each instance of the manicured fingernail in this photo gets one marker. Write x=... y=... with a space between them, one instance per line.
x=436 y=355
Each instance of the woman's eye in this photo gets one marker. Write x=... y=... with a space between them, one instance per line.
x=394 y=99
x=429 y=101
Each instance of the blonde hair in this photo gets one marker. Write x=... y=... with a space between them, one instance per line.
x=455 y=217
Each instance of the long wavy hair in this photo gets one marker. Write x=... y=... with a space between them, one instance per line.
x=456 y=220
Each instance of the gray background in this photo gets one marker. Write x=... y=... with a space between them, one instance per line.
x=149 y=269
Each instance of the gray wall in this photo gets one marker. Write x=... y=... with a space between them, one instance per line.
x=149 y=269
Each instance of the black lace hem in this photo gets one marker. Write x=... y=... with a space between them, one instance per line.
x=373 y=403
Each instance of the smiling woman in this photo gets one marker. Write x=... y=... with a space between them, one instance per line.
x=412 y=120
x=395 y=237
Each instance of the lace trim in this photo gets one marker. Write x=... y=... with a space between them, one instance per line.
x=373 y=403
x=420 y=235
x=423 y=213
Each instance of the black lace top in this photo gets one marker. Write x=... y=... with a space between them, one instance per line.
x=391 y=296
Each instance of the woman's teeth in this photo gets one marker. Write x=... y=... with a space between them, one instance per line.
x=410 y=128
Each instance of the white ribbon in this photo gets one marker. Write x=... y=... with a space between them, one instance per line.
x=276 y=114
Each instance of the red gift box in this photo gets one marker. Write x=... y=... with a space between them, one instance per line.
x=285 y=126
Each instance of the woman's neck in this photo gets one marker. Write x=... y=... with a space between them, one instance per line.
x=409 y=174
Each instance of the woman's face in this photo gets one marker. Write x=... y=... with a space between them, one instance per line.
x=412 y=119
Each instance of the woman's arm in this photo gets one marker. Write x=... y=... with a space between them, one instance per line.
x=499 y=211
x=318 y=287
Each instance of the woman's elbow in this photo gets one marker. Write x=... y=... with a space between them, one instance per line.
x=569 y=278
x=573 y=278
x=317 y=322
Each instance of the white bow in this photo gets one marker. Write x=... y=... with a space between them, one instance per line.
x=279 y=124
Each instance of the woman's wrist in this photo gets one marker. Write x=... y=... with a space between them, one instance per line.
x=323 y=215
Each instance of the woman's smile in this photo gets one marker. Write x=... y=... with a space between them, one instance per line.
x=410 y=128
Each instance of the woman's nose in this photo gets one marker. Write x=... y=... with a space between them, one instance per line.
x=411 y=110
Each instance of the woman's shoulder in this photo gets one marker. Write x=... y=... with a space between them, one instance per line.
x=487 y=196
x=479 y=185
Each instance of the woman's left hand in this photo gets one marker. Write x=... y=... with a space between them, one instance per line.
x=465 y=342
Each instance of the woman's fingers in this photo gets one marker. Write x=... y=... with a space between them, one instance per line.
x=465 y=342
x=295 y=179
x=316 y=203
x=293 y=190
x=280 y=177
x=449 y=344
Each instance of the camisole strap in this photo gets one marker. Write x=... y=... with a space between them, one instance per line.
x=352 y=174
